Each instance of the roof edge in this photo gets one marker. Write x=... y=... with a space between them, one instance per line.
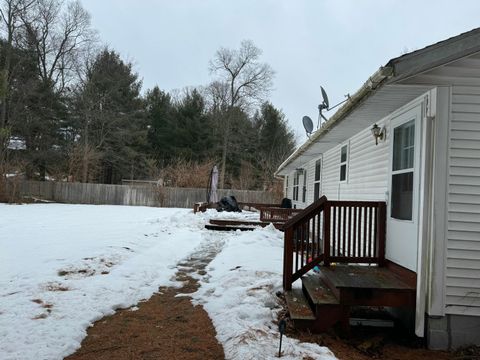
x=369 y=87
x=438 y=54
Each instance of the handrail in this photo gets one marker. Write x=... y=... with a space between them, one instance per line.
x=333 y=231
x=307 y=212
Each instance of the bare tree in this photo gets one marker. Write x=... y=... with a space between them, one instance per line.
x=60 y=33
x=242 y=81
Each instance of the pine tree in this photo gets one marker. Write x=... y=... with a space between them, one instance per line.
x=113 y=122
x=275 y=140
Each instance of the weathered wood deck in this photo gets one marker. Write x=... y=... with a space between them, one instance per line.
x=331 y=293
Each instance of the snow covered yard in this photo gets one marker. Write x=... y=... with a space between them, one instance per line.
x=62 y=267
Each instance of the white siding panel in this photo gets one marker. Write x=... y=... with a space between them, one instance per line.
x=464 y=273
x=460 y=291
x=469 y=301
x=463 y=253
x=367 y=174
x=463 y=264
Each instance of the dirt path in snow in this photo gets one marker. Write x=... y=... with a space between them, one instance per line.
x=166 y=326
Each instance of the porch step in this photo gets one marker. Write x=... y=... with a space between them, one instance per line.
x=357 y=285
x=324 y=304
x=318 y=291
x=231 y=222
x=298 y=306
x=365 y=277
x=228 y=228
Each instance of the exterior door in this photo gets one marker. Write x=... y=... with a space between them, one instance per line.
x=402 y=216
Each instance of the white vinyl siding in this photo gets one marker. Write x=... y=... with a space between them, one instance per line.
x=367 y=171
x=463 y=244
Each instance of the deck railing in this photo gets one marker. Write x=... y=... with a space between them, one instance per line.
x=277 y=214
x=333 y=231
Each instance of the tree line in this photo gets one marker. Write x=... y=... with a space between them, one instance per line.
x=72 y=110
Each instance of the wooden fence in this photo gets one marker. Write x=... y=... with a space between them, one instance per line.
x=136 y=195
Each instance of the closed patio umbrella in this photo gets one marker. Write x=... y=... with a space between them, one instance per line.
x=212 y=196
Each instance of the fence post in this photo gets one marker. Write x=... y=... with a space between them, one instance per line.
x=288 y=259
x=381 y=232
x=326 y=234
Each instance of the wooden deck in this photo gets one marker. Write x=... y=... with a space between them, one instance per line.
x=230 y=222
x=332 y=292
x=233 y=225
x=364 y=277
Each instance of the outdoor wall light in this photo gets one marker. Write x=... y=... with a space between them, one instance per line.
x=378 y=133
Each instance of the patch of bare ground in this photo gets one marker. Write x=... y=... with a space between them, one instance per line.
x=54 y=286
x=166 y=326
x=46 y=306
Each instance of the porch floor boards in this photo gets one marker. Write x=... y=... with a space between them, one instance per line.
x=364 y=277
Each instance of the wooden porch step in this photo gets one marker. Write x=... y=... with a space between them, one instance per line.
x=231 y=222
x=366 y=277
x=228 y=227
x=318 y=291
x=298 y=306
x=325 y=305
x=356 y=285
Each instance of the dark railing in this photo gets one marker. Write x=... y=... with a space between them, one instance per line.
x=254 y=206
x=333 y=231
x=277 y=214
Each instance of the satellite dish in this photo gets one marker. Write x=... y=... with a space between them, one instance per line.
x=325 y=104
x=307 y=124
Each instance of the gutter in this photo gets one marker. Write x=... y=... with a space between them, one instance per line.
x=367 y=89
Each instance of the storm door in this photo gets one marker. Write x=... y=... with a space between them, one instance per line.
x=402 y=223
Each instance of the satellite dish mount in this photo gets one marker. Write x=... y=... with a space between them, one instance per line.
x=325 y=105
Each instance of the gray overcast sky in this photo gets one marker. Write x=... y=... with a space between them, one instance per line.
x=334 y=43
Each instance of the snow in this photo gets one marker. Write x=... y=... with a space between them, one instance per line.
x=62 y=267
x=239 y=294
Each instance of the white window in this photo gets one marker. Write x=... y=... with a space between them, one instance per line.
x=304 y=192
x=343 y=163
x=316 y=182
x=286 y=186
x=402 y=171
x=295 y=185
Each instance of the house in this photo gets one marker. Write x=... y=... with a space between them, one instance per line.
x=417 y=181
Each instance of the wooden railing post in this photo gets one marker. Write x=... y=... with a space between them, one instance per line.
x=326 y=234
x=288 y=259
x=381 y=232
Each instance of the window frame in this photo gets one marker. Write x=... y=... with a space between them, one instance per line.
x=296 y=179
x=344 y=163
x=317 y=181
x=304 y=188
